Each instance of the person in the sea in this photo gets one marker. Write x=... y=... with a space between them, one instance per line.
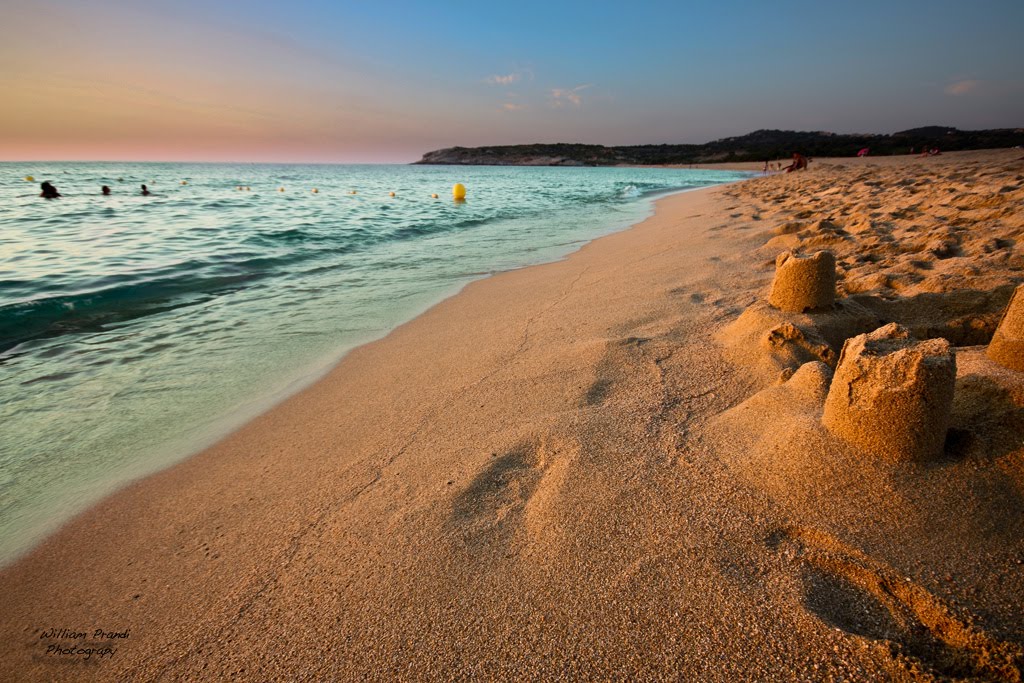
x=48 y=190
x=799 y=163
x=145 y=191
x=106 y=191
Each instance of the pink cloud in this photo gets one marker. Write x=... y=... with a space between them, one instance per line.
x=506 y=79
x=559 y=96
x=964 y=87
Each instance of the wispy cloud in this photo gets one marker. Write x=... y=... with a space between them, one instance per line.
x=562 y=96
x=504 y=79
x=512 y=106
x=960 y=88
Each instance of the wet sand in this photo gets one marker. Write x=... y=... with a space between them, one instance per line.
x=605 y=467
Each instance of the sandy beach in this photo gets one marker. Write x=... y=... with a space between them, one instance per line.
x=614 y=466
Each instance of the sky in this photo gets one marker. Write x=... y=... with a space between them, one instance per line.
x=321 y=81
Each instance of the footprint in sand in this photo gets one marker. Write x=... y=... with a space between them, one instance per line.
x=498 y=492
x=614 y=370
x=513 y=493
x=849 y=591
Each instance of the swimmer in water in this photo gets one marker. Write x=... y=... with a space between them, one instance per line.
x=145 y=191
x=106 y=191
x=48 y=191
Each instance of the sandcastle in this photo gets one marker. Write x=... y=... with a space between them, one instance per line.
x=1007 y=345
x=804 y=283
x=892 y=394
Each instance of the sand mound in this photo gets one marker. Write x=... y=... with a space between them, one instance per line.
x=987 y=421
x=769 y=341
x=892 y=394
x=1007 y=345
x=804 y=283
x=775 y=441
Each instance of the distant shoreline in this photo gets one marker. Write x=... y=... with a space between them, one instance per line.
x=753 y=147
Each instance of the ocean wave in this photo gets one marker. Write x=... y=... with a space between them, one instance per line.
x=94 y=311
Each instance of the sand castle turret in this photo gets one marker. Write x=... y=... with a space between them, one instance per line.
x=804 y=283
x=1007 y=345
x=892 y=394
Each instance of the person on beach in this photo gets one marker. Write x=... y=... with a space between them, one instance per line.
x=145 y=191
x=106 y=191
x=799 y=163
x=48 y=190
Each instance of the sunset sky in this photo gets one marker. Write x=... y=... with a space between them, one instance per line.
x=385 y=82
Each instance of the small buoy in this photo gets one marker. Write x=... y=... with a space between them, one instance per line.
x=184 y=182
x=30 y=178
x=459 y=191
x=315 y=191
x=391 y=194
x=247 y=188
x=434 y=196
x=280 y=189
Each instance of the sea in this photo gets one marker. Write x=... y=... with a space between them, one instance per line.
x=136 y=330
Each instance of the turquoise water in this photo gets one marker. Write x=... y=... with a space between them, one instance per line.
x=135 y=330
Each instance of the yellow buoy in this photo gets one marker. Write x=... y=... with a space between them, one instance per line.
x=247 y=188
x=280 y=189
x=391 y=194
x=315 y=191
x=459 y=191
x=184 y=182
x=30 y=178
x=433 y=196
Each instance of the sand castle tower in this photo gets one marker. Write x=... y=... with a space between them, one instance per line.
x=892 y=394
x=1007 y=345
x=804 y=283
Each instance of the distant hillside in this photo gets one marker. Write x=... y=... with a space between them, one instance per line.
x=757 y=146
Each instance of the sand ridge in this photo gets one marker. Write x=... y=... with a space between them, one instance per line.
x=612 y=466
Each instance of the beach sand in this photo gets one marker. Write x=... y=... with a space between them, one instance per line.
x=612 y=466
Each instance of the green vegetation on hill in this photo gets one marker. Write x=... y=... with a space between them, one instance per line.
x=757 y=146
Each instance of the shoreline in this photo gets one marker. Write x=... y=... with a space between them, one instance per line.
x=171 y=454
x=540 y=478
